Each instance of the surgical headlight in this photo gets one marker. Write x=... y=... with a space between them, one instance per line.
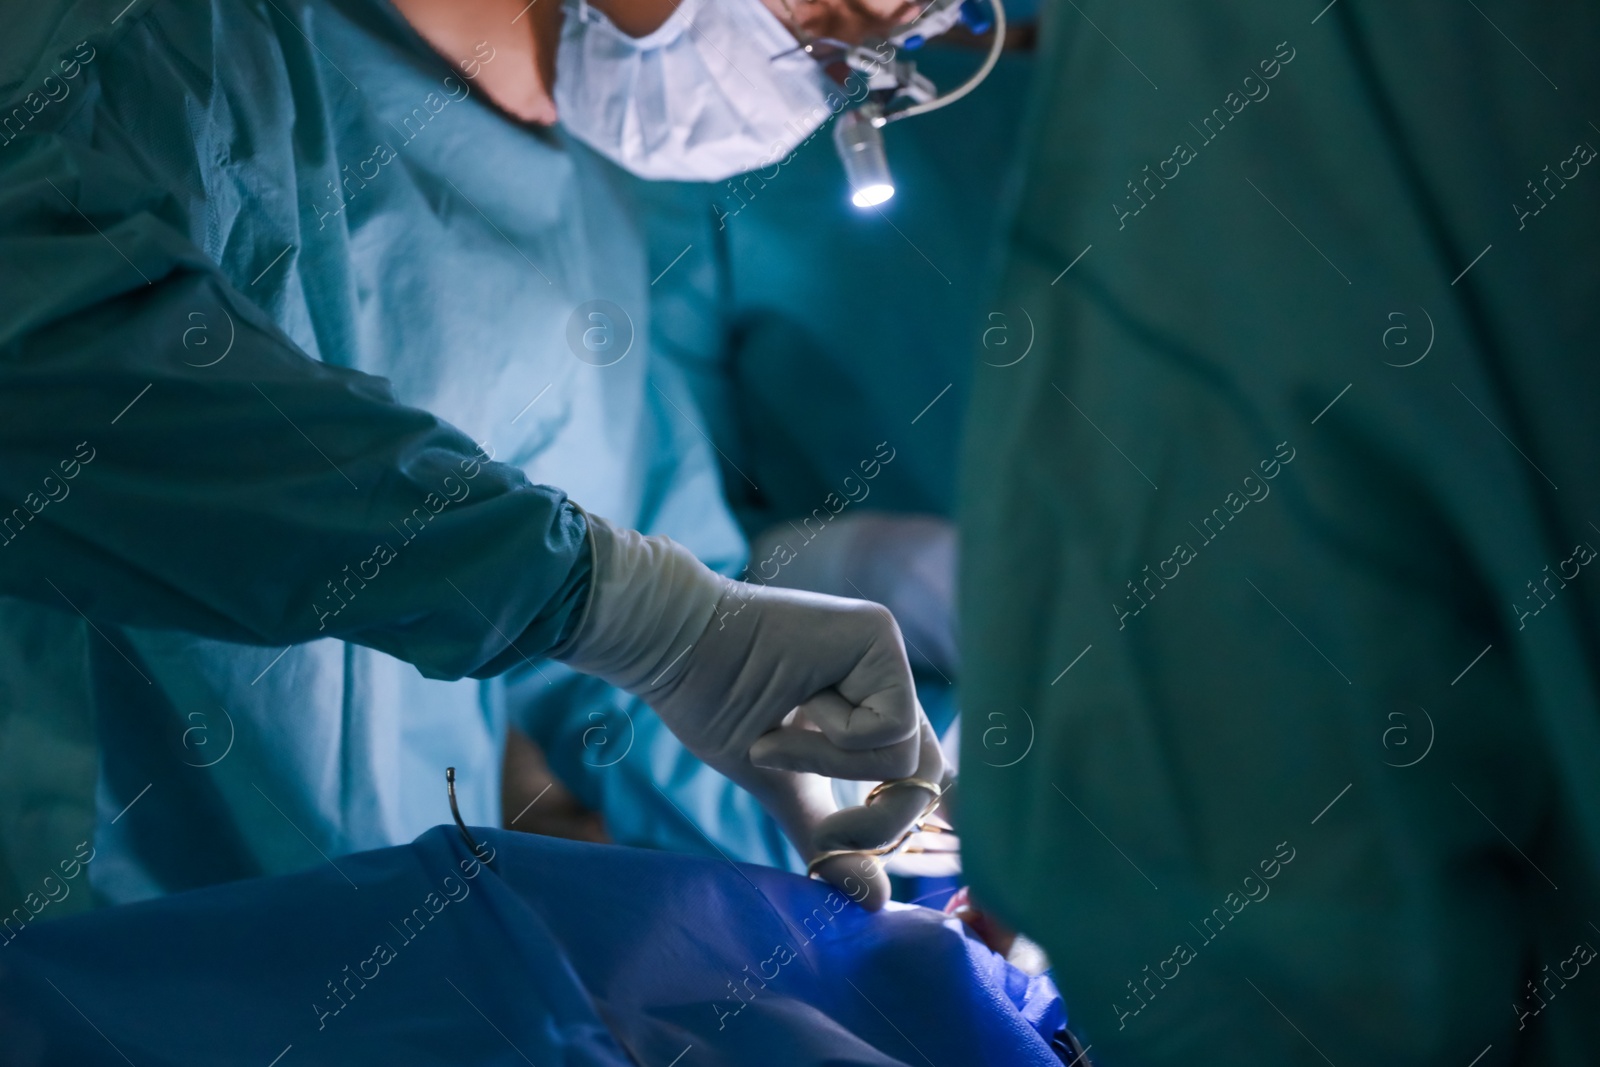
x=896 y=91
x=866 y=164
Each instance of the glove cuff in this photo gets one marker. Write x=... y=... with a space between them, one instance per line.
x=650 y=599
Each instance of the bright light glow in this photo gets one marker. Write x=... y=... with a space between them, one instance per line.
x=872 y=195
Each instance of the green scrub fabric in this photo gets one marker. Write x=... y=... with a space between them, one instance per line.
x=1280 y=623
x=279 y=284
x=812 y=330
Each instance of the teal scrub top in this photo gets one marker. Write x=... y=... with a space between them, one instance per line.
x=299 y=329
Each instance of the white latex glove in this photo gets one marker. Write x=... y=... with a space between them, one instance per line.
x=905 y=562
x=771 y=687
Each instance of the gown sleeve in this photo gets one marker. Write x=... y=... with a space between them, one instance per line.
x=169 y=458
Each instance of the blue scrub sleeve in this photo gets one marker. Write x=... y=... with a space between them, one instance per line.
x=171 y=459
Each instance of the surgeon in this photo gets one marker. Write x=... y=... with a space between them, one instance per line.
x=307 y=308
x=1278 y=548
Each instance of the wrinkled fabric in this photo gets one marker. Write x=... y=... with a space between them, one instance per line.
x=556 y=953
x=283 y=285
x=1321 y=786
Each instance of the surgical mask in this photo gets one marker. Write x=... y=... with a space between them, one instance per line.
x=717 y=90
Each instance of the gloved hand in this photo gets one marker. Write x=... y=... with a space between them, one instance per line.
x=771 y=687
x=905 y=562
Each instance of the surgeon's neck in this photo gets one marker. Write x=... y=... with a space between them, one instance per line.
x=521 y=77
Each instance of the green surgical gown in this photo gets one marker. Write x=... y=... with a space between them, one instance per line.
x=1280 y=596
x=295 y=330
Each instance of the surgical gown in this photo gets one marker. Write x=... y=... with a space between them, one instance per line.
x=1279 y=600
x=279 y=285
